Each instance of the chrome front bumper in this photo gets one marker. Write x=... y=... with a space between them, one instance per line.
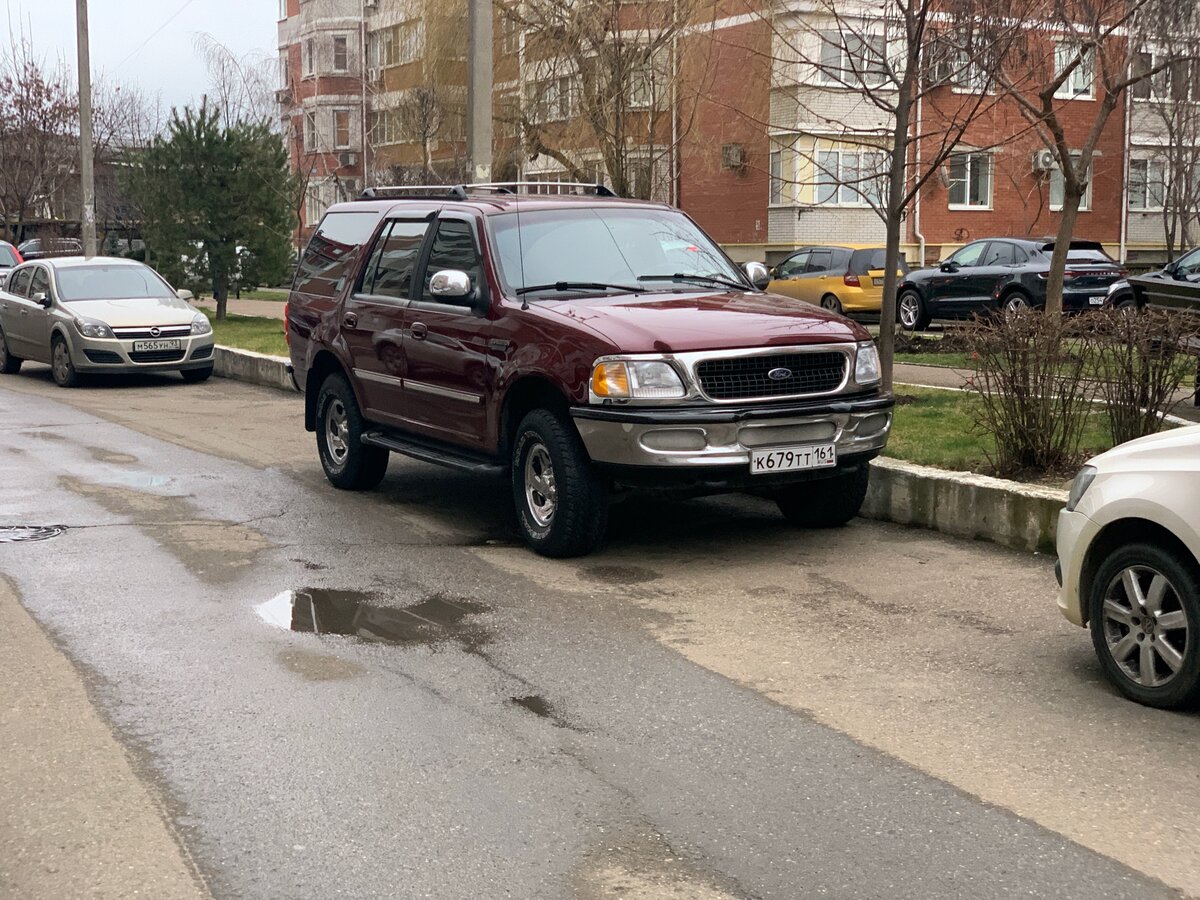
x=697 y=437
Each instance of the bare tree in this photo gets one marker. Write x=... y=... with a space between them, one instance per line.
x=1068 y=50
x=903 y=82
x=603 y=81
x=420 y=117
x=241 y=87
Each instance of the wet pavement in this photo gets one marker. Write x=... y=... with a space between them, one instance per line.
x=384 y=695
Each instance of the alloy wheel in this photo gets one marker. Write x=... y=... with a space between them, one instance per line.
x=909 y=311
x=541 y=493
x=337 y=431
x=1145 y=626
x=1016 y=303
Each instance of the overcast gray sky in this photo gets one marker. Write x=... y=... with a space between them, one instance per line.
x=125 y=45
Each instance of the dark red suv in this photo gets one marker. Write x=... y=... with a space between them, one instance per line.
x=575 y=343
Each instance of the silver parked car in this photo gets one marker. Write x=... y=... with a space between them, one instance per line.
x=100 y=315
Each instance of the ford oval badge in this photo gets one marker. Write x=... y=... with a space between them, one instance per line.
x=780 y=374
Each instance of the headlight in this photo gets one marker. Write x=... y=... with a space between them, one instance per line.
x=93 y=328
x=636 y=380
x=866 y=365
x=1080 y=485
x=200 y=324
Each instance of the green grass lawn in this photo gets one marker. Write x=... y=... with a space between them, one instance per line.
x=957 y=360
x=937 y=428
x=255 y=333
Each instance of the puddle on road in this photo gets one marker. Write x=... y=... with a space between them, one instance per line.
x=101 y=454
x=213 y=550
x=536 y=704
x=361 y=615
x=12 y=534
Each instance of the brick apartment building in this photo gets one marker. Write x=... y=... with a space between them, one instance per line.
x=765 y=155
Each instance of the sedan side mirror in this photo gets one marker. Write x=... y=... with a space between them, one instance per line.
x=41 y=298
x=185 y=295
x=759 y=274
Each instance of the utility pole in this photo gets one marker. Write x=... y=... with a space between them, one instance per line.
x=479 y=89
x=88 y=213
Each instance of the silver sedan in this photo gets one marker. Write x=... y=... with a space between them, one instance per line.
x=100 y=315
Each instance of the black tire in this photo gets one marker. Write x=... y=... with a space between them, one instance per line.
x=1129 y=306
x=571 y=520
x=1176 y=690
x=349 y=464
x=827 y=503
x=831 y=303
x=1017 y=301
x=195 y=376
x=62 y=367
x=919 y=318
x=9 y=364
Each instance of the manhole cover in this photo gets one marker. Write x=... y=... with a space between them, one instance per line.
x=10 y=534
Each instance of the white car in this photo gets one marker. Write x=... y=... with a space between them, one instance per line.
x=100 y=315
x=1129 y=565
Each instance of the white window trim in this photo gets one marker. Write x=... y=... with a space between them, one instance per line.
x=333 y=54
x=1065 y=92
x=1085 y=202
x=831 y=80
x=974 y=207
x=313 y=145
x=308 y=52
x=349 y=129
x=1149 y=161
x=775 y=183
x=837 y=202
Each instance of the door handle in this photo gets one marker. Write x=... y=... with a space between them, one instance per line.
x=419 y=331
x=350 y=320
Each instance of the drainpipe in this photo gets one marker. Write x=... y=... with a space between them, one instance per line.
x=1125 y=176
x=917 y=200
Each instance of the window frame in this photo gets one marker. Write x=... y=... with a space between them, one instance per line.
x=1149 y=162
x=1085 y=203
x=844 y=73
x=775 y=178
x=970 y=156
x=424 y=271
x=1087 y=67
x=344 y=41
x=308 y=53
x=312 y=132
x=349 y=114
x=825 y=178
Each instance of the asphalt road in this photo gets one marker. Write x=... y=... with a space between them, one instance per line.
x=714 y=706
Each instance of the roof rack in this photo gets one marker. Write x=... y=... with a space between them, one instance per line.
x=461 y=191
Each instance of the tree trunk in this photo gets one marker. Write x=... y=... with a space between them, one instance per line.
x=221 y=295
x=1072 y=196
x=898 y=163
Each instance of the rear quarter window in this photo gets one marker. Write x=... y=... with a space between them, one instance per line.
x=331 y=253
x=7 y=257
x=864 y=261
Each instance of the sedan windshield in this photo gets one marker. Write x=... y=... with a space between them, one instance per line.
x=110 y=282
x=606 y=246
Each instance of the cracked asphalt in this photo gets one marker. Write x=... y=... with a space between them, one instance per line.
x=298 y=692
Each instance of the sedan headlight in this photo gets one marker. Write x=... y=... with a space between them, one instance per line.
x=866 y=364
x=636 y=380
x=1079 y=486
x=93 y=328
x=201 y=325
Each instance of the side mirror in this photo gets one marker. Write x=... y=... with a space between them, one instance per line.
x=759 y=274
x=454 y=286
x=185 y=294
x=948 y=266
x=41 y=298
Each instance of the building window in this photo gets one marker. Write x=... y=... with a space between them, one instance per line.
x=1078 y=85
x=1176 y=81
x=510 y=36
x=970 y=181
x=341 y=129
x=283 y=14
x=551 y=99
x=408 y=41
x=307 y=52
x=314 y=206
x=397 y=45
x=849 y=177
x=776 y=177
x=341 y=53
x=646 y=84
x=1058 y=188
x=285 y=71
x=850 y=59
x=310 y=132
x=1147 y=184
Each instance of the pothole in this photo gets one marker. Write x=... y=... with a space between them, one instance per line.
x=11 y=534
x=436 y=619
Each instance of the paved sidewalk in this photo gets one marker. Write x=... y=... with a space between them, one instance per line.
x=75 y=818
x=267 y=309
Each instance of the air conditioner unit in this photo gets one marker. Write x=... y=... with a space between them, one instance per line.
x=347 y=159
x=733 y=156
x=1044 y=161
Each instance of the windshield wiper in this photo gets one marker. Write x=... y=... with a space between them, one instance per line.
x=683 y=278
x=580 y=286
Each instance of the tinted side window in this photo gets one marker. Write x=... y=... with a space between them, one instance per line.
x=394 y=258
x=453 y=248
x=19 y=283
x=331 y=252
x=793 y=265
x=819 y=261
x=841 y=260
x=40 y=282
x=1000 y=254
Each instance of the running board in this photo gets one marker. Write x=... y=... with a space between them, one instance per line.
x=432 y=453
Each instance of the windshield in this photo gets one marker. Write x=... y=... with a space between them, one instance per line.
x=603 y=245
x=101 y=282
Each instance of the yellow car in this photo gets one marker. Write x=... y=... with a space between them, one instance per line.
x=840 y=278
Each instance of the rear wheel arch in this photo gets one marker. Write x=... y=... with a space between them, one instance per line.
x=1117 y=534
x=1009 y=290
x=324 y=364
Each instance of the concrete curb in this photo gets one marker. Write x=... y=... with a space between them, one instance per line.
x=254 y=368
x=963 y=504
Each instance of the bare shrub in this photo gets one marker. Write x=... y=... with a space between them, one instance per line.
x=1034 y=387
x=1139 y=363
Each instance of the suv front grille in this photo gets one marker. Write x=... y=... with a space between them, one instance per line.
x=746 y=377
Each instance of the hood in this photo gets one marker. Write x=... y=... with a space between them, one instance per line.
x=679 y=323
x=141 y=311
x=1177 y=449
